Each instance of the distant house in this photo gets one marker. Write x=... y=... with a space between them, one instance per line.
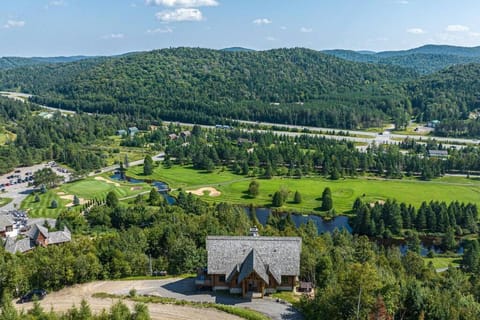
x=6 y=225
x=185 y=134
x=173 y=136
x=433 y=123
x=253 y=266
x=121 y=133
x=37 y=236
x=438 y=153
x=241 y=141
x=133 y=131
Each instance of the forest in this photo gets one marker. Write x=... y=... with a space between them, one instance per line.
x=209 y=86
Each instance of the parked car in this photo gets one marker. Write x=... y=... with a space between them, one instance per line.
x=38 y=293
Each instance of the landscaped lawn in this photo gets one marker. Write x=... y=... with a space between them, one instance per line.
x=42 y=208
x=233 y=188
x=5 y=201
x=185 y=177
x=85 y=189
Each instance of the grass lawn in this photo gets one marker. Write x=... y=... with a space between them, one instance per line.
x=6 y=136
x=345 y=191
x=440 y=262
x=42 y=208
x=84 y=189
x=185 y=177
x=5 y=201
x=90 y=188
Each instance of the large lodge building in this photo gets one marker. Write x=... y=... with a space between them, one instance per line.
x=252 y=266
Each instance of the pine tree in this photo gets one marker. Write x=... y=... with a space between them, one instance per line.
x=297 y=198
x=148 y=166
x=278 y=199
x=253 y=189
x=327 y=202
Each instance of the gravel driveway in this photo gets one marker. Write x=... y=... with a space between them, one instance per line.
x=171 y=288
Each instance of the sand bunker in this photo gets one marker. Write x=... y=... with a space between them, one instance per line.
x=70 y=197
x=107 y=181
x=212 y=192
x=373 y=204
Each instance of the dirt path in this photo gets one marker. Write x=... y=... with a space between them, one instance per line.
x=63 y=300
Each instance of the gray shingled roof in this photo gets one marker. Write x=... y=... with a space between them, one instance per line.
x=5 y=221
x=35 y=230
x=59 y=236
x=279 y=256
x=253 y=262
x=13 y=245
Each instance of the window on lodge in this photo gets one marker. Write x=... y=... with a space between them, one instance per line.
x=285 y=280
x=221 y=279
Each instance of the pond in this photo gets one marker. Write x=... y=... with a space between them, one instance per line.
x=162 y=187
x=340 y=222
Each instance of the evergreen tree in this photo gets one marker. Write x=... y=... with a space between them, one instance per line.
x=155 y=198
x=54 y=204
x=297 y=198
x=76 y=200
x=278 y=199
x=327 y=202
x=148 y=165
x=253 y=188
x=111 y=200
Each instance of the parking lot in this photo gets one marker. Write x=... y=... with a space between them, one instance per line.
x=17 y=184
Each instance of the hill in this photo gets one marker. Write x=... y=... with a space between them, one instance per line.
x=16 y=62
x=426 y=59
x=237 y=49
x=297 y=86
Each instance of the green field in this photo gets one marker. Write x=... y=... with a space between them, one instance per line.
x=6 y=136
x=345 y=191
x=441 y=262
x=42 y=208
x=5 y=201
x=85 y=189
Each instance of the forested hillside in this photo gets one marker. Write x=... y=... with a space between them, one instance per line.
x=199 y=85
x=295 y=86
x=16 y=62
x=423 y=61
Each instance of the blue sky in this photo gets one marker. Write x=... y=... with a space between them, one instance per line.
x=105 y=27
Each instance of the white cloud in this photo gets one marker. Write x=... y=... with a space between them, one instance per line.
x=114 y=36
x=475 y=34
x=181 y=14
x=183 y=3
x=457 y=28
x=416 y=31
x=402 y=2
x=56 y=3
x=261 y=21
x=14 y=24
x=306 y=30
x=270 y=38
x=283 y=28
x=160 y=30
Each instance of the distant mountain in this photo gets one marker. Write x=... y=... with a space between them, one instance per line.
x=426 y=59
x=436 y=50
x=237 y=49
x=15 y=62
